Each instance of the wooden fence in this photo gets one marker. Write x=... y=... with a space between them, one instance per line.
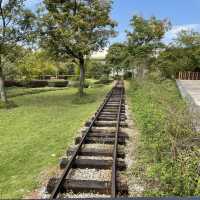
x=189 y=76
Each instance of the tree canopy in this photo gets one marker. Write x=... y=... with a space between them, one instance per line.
x=182 y=55
x=16 y=27
x=75 y=29
x=116 y=55
x=145 y=40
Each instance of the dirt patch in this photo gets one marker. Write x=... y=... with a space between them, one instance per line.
x=43 y=179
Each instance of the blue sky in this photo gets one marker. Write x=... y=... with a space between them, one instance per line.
x=183 y=14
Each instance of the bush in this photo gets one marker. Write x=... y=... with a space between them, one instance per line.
x=36 y=83
x=11 y=83
x=57 y=83
x=128 y=75
x=28 y=84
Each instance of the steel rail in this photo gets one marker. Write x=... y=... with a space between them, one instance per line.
x=73 y=157
x=113 y=178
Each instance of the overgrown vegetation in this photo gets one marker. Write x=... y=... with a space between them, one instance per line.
x=168 y=157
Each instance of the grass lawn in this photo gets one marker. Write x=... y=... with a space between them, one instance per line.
x=19 y=91
x=36 y=133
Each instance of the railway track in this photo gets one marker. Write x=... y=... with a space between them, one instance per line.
x=104 y=130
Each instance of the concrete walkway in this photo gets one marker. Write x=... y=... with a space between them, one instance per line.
x=190 y=90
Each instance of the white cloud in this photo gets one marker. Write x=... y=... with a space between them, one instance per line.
x=172 y=34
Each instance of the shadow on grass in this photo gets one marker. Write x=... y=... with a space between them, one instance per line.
x=85 y=99
x=33 y=91
x=8 y=105
x=57 y=100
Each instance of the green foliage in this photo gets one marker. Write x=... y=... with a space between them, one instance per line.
x=116 y=55
x=168 y=163
x=17 y=27
x=17 y=24
x=34 y=65
x=182 y=56
x=145 y=40
x=96 y=69
x=188 y=39
x=75 y=29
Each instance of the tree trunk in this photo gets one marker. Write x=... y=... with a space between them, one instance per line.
x=2 y=86
x=82 y=76
x=132 y=77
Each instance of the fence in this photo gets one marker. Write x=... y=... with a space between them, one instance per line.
x=189 y=75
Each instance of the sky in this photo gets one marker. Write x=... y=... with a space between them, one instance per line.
x=183 y=14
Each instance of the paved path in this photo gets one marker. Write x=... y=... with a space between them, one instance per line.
x=190 y=90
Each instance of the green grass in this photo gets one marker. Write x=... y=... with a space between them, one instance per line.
x=163 y=122
x=36 y=133
x=19 y=91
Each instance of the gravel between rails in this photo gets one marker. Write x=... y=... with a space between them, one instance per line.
x=94 y=157
x=83 y=195
x=102 y=146
x=90 y=174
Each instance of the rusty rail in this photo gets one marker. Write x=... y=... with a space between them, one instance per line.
x=72 y=160
x=73 y=157
x=113 y=180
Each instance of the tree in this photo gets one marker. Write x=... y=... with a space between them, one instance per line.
x=36 y=64
x=116 y=55
x=75 y=29
x=16 y=24
x=97 y=69
x=145 y=40
x=182 y=55
x=188 y=39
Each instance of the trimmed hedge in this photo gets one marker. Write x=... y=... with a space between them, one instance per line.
x=29 y=84
x=12 y=83
x=36 y=83
x=57 y=83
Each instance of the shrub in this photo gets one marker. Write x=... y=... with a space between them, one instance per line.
x=57 y=83
x=128 y=75
x=36 y=83
x=11 y=83
x=23 y=83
